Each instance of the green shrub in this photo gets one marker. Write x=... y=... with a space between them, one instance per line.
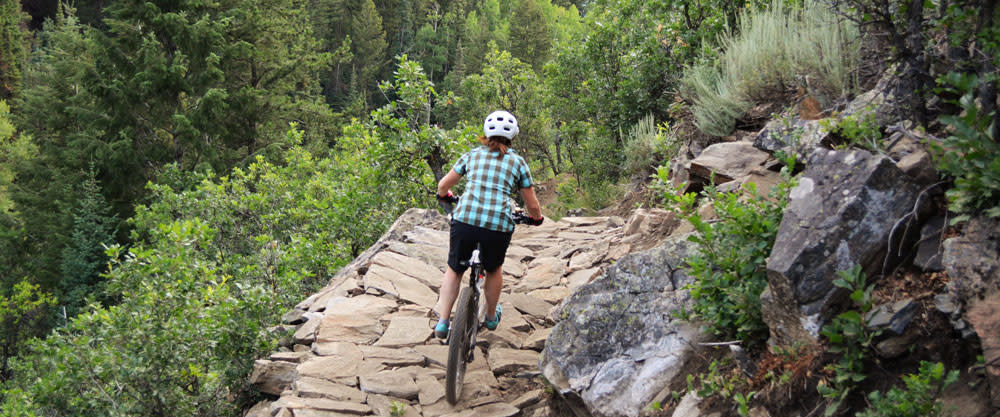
x=648 y=144
x=970 y=153
x=861 y=130
x=918 y=399
x=850 y=337
x=774 y=50
x=731 y=255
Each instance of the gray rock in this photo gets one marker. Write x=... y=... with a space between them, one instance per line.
x=506 y=360
x=791 y=136
x=688 y=406
x=529 y=399
x=391 y=383
x=320 y=388
x=272 y=377
x=261 y=409
x=894 y=347
x=894 y=317
x=406 y=331
x=726 y=161
x=617 y=344
x=840 y=215
x=928 y=257
x=973 y=263
x=529 y=305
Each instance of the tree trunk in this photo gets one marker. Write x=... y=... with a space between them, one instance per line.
x=435 y=160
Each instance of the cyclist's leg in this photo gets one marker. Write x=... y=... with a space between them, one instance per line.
x=494 y=284
x=449 y=291
x=461 y=244
x=494 y=249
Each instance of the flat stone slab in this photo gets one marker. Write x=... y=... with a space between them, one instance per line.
x=551 y=295
x=425 y=273
x=309 y=387
x=362 y=305
x=542 y=273
x=391 y=383
x=360 y=330
x=532 y=306
x=580 y=278
x=393 y=357
x=406 y=331
x=431 y=391
x=334 y=368
x=506 y=360
x=400 y=285
x=536 y=340
x=321 y=404
x=349 y=351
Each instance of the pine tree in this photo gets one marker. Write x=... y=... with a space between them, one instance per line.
x=83 y=261
x=369 y=45
x=530 y=35
x=13 y=46
x=57 y=111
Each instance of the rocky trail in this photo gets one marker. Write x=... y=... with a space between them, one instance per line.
x=364 y=345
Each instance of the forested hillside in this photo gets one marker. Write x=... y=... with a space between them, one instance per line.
x=177 y=174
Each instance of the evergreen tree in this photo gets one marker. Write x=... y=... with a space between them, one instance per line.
x=13 y=46
x=83 y=261
x=58 y=112
x=369 y=46
x=530 y=34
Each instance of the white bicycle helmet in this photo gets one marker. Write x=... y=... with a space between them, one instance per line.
x=500 y=123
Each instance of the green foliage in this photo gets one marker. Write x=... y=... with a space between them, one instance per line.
x=970 y=153
x=23 y=311
x=404 y=125
x=177 y=344
x=725 y=381
x=13 y=46
x=83 y=260
x=861 y=129
x=647 y=145
x=729 y=265
x=212 y=267
x=397 y=409
x=849 y=336
x=918 y=399
x=774 y=50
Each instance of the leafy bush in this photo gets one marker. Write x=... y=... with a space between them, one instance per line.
x=861 y=130
x=731 y=254
x=21 y=313
x=850 y=337
x=775 y=50
x=648 y=144
x=918 y=399
x=970 y=153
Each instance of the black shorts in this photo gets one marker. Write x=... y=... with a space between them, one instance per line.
x=492 y=246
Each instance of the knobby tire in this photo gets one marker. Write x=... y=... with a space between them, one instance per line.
x=458 y=346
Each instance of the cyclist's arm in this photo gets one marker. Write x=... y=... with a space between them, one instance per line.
x=531 y=203
x=448 y=181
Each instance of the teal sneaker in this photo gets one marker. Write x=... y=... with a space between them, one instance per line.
x=492 y=324
x=441 y=330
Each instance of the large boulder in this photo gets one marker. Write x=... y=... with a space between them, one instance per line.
x=617 y=344
x=841 y=214
x=973 y=263
x=792 y=136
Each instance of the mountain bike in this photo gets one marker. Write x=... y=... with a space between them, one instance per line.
x=469 y=318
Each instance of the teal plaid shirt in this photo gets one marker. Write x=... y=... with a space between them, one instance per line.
x=491 y=181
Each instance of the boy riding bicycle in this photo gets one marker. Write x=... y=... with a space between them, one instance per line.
x=482 y=216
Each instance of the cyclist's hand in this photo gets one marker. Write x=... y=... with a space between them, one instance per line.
x=448 y=198
x=535 y=222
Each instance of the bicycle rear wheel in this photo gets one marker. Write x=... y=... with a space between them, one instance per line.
x=459 y=345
